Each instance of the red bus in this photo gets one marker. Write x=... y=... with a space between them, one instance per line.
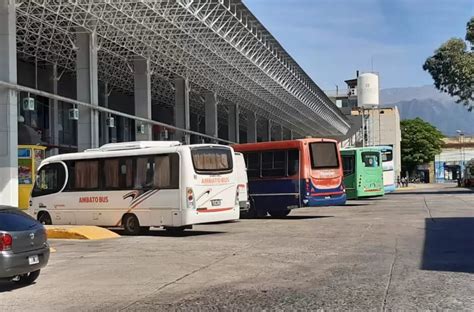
x=284 y=175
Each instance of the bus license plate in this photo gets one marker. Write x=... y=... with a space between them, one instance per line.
x=33 y=260
x=216 y=202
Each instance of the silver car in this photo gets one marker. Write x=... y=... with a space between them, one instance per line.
x=24 y=249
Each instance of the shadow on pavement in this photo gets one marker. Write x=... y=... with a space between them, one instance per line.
x=437 y=192
x=164 y=233
x=297 y=217
x=6 y=286
x=449 y=245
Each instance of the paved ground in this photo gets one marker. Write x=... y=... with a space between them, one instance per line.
x=411 y=250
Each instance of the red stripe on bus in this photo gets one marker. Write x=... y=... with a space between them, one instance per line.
x=213 y=210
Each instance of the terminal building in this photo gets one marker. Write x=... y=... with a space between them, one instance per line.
x=77 y=74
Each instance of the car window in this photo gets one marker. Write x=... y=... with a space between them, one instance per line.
x=12 y=220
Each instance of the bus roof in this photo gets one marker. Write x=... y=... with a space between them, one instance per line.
x=141 y=149
x=276 y=145
x=362 y=149
x=384 y=147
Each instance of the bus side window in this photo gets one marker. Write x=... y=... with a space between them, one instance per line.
x=86 y=175
x=111 y=173
x=126 y=173
x=348 y=164
x=253 y=164
x=166 y=175
x=293 y=162
x=143 y=173
x=50 y=180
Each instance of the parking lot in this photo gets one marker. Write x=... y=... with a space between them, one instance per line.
x=409 y=250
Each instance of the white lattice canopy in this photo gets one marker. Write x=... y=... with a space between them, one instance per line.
x=218 y=45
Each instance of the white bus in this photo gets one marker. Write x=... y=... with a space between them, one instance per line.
x=137 y=185
x=388 y=168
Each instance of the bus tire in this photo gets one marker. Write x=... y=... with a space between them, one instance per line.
x=44 y=218
x=280 y=213
x=131 y=225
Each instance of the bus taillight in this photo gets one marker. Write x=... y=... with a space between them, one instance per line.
x=190 y=198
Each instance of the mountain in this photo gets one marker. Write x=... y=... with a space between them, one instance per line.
x=429 y=104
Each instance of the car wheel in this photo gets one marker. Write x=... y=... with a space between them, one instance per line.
x=131 y=225
x=44 y=218
x=28 y=279
x=280 y=213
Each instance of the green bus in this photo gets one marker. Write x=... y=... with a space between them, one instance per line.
x=363 y=172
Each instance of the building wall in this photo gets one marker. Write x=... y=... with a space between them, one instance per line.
x=451 y=162
x=382 y=128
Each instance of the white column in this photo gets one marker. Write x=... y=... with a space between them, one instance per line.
x=105 y=128
x=291 y=135
x=87 y=90
x=53 y=112
x=142 y=96
x=210 y=107
x=181 y=111
x=234 y=125
x=8 y=106
x=251 y=127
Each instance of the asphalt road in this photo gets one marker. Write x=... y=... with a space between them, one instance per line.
x=410 y=250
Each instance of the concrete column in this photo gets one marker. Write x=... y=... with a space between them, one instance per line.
x=292 y=136
x=87 y=90
x=251 y=127
x=181 y=111
x=54 y=112
x=8 y=106
x=142 y=95
x=267 y=134
x=105 y=128
x=210 y=107
x=234 y=125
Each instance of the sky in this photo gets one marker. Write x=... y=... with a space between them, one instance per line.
x=331 y=39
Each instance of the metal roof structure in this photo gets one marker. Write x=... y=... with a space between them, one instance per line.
x=218 y=45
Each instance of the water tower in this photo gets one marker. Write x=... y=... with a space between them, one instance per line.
x=368 y=99
x=368 y=90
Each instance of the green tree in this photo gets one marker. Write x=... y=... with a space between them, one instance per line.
x=452 y=68
x=421 y=142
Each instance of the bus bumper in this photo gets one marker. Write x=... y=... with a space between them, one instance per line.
x=318 y=201
x=389 y=188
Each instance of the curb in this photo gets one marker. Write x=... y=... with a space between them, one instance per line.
x=79 y=232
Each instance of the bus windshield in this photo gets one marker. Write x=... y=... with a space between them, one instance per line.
x=387 y=156
x=212 y=160
x=370 y=159
x=324 y=155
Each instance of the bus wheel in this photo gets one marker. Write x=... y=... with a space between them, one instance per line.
x=44 y=218
x=280 y=213
x=131 y=224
